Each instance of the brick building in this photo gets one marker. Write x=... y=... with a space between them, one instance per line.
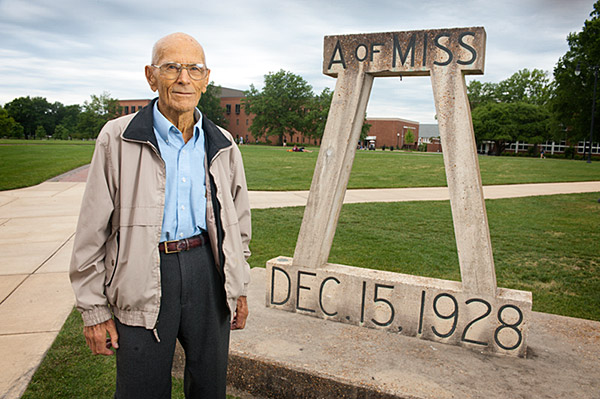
x=391 y=132
x=238 y=120
x=384 y=131
x=131 y=106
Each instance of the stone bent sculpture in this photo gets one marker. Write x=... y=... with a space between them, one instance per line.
x=474 y=313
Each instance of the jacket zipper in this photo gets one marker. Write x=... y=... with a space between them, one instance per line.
x=154 y=330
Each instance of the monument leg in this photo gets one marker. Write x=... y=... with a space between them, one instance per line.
x=464 y=181
x=332 y=171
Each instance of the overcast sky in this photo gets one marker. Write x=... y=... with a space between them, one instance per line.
x=66 y=50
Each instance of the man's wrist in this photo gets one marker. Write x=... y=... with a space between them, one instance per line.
x=96 y=315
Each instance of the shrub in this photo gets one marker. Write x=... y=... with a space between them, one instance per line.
x=570 y=152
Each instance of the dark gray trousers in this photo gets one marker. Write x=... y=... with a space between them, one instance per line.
x=193 y=308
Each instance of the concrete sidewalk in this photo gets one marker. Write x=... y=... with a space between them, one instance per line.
x=37 y=225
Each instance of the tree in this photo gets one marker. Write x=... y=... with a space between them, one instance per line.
x=31 y=113
x=95 y=114
x=210 y=105
x=40 y=132
x=9 y=127
x=525 y=86
x=481 y=93
x=281 y=107
x=532 y=87
x=572 y=101
x=510 y=122
x=364 y=130
x=316 y=117
x=61 y=133
x=409 y=138
x=67 y=117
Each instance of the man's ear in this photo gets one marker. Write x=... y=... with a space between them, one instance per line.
x=151 y=78
x=206 y=81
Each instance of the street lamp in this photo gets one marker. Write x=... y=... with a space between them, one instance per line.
x=398 y=141
x=577 y=73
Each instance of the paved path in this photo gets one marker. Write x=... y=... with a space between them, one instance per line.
x=37 y=225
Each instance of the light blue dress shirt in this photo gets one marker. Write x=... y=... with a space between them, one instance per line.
x=185 y=196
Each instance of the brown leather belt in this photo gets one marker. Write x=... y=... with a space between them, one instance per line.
x=171 y=247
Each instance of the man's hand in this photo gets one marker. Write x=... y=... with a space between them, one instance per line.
x=241 y=314
x=95 y=337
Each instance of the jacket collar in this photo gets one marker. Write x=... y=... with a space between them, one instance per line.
x=215 y=139
x=141 y=129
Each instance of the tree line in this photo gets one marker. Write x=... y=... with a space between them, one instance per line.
x=37 y=118
x=529 y=107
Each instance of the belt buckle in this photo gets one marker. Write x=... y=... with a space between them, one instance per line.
x=167 y=247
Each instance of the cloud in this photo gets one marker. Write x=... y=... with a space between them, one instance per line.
x=70 y=49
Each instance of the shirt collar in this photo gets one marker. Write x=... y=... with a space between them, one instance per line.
x=162 y=125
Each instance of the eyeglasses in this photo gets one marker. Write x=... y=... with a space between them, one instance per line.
x=171 y=70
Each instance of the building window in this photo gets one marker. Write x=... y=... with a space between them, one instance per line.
x=246 y=122
x=126 y=110
x=228 y=108
x=237 y=109
x=237 y=121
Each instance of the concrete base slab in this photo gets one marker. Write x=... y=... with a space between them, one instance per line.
x=39 y=229
x=36 y=207
x=6 y=199
x=272 y=199
x=287 y=355
x=276 y=199
x=18 y=258
x=428 y=308
x=45 y=189
x=20 y=356
x=9 y=283
x=42 y=303
x=59 y=262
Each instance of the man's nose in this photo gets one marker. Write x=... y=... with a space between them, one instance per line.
x=184 y=76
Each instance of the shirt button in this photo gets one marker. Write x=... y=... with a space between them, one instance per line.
x=184 y=151
x=183 y=207
x=180 y=234
x=183 y=179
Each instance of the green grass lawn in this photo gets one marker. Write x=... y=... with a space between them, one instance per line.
x=27 y=162
x=547 y=245
x=24 y=165
x=273 y=168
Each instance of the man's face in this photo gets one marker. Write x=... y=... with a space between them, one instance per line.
x=179 y=95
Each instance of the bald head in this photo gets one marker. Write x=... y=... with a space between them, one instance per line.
x=174 y=41
x=179 y=93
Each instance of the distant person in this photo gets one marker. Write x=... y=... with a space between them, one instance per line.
x=162 y=240
x=542 y=156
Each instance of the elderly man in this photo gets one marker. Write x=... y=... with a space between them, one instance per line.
x=163 y=233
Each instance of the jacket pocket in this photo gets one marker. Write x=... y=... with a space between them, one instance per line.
x=112 y=260
x=229 y=216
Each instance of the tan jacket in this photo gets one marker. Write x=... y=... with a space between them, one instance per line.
x=115 y=264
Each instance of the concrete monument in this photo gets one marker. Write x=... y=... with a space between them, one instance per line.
x=473 y=313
